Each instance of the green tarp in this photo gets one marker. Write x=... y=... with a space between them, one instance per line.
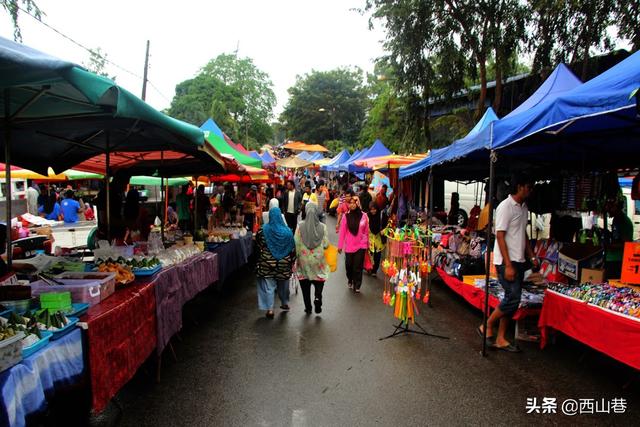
x=224 y=148
x=152 y=180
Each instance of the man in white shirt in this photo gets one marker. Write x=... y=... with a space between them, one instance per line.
x=32 y=199
x=511 y=252
x=290 y=205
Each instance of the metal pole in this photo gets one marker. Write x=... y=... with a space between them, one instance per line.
x=107 y=174
x=163 y=196
x=195 y=208
x=485 y=310
x=429 y=236
x=7 y=161
x=146 y=70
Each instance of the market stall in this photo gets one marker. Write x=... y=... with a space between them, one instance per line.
x=582 y=318
x=25 y=387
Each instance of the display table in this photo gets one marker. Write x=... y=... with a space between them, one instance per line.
x=475 y=296
x=26 y=386
x=121 y=334
x=233 y=255
x=613 y=334
x=175 y=286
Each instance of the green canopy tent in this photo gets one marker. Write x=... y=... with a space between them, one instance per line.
x=152 y=180
x=223 y=147
x=54 y=109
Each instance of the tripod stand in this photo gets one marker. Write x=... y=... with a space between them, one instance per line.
x=402 y=328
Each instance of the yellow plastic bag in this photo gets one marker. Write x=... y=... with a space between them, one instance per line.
x=331 y=256
x=334 y=204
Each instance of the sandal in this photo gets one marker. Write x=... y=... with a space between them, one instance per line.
x=480 y=334
x=285 y=307
x=270 y=314
x=511 y=348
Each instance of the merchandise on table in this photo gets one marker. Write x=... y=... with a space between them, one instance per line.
x=532 y=295
x=624 y=300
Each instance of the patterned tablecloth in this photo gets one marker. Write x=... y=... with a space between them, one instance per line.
x=176 y=286
x=25 y=387
x=233 y=255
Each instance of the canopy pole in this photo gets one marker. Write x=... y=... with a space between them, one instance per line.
x=107 y=172
x=163 y=197
x=7 y=180
x=485 y=312
x=195 y=207
x=429 y=235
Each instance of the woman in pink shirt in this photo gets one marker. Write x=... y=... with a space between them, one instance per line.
x=354 y=239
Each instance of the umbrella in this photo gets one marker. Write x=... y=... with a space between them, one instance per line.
x=293 y=162
x=301 y=146
x=392 y=161
x=248 y=175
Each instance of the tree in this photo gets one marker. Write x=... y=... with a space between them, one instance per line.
x=15 y=7
x=567 y=30
x=326 y=105
x=97 y=63
x=627 y=16
x=235 y=93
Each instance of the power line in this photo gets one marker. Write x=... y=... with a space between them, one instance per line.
x=94 y=52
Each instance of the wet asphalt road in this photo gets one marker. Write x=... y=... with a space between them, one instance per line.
x=236 y=367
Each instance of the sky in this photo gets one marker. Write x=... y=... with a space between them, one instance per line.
x=284 y=38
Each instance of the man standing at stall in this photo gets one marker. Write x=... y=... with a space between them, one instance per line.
x=511 y=252
x=290 y=204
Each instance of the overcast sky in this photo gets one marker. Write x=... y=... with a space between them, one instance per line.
x=283 y=37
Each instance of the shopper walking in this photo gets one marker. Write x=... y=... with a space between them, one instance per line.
x=377 y=222
x=511 y=252
x=276 y=255
x=311 y=240
x=273 y=203
x=354 y=240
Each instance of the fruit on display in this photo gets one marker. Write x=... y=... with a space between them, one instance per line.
x=123 y=273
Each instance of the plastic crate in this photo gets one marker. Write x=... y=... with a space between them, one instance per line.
x=90 y=291
x=65 y=330
x=11 y=351
x=107 y=281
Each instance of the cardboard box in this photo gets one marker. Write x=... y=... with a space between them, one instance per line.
x=576 y=256
x=592 y=275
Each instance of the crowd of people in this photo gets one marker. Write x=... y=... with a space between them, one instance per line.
x=293 y=238
x=58 y=204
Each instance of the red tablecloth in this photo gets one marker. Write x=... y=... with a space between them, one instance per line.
x=613 y=334
x=121 y=334
x=475 y=296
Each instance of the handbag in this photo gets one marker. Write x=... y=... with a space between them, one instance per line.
x=331 y=256
x=368 y=265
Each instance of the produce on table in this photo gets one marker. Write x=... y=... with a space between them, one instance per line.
x=123 y=273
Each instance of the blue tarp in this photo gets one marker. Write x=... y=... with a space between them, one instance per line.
x=336 y=160
x=602 y=103
x=376 y=150
x=255 y=155
x=335 y=166
x=457 y=149
x=267 y=158
x=212 y=127
x=496 y=132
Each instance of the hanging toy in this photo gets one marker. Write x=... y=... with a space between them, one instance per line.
x=392 y=301
x=425 y=300
x=385 y=266
x=424 y=267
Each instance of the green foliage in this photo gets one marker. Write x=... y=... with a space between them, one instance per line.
x=97 y=63
x=446 y=129
x=15 y=7
x=326 y=105
x=627 y=17
x=385 y=119
x=235 y=93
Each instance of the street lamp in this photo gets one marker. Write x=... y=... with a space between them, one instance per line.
x=333 y=121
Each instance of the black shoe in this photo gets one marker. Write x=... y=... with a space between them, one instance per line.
x=318 y=305
x=270 y=314
x=307 y=310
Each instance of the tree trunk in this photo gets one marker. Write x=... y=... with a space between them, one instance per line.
x=497 y=99
x=585 y=61
x=482 y=62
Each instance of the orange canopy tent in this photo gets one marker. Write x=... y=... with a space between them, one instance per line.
x=392 y=161
x=301 y=146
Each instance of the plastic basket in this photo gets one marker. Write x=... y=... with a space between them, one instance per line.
x=11 y=351
x=64 y=331
x=28 y=351
x=107 y=281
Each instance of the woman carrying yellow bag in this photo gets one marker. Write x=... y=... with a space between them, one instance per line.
x=331 y=255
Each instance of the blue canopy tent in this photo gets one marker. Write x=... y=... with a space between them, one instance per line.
x=334 y=167
x=304 y=155
x=267 y=158
x=211 y=126
x=440 y=155
x=472 y=152
x=337 y=159
x=255 y=155
x=378 y=149
x=316 y=156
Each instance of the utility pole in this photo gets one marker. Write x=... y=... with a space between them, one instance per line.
x=146 y=69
